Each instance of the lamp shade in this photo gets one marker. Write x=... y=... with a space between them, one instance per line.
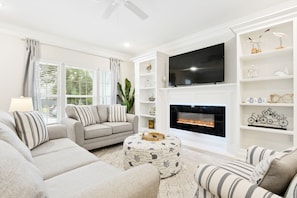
x=21 y=104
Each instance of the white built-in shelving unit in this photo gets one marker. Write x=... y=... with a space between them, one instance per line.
x=266 y=82
x=150 y=76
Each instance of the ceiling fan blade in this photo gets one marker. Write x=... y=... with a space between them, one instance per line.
x=136 y=10
x=110 y=9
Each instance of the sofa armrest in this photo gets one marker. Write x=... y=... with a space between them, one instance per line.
x=75 y=130
x=56 y=131
x=222 y=183
x=140 y=181
x=255 y=154
x=132 y=118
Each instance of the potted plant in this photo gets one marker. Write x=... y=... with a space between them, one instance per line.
x=126 y=97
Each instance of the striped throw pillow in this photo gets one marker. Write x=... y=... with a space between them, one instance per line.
x=31 y=128
x=256 y=154
x=117 y=113
x=85 y=115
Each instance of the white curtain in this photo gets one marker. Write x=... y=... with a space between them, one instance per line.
x=115 y=65
x=31 y=78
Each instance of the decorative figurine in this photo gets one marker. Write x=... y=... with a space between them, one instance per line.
x=280 y=36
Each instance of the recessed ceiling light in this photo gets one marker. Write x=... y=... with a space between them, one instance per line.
x=127 y=44
x=2 y=4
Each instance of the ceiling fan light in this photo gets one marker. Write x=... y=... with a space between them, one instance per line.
x=136 y=10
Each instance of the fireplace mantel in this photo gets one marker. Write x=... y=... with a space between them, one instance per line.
x=217 y=94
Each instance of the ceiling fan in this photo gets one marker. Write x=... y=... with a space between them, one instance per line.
x=128 y=4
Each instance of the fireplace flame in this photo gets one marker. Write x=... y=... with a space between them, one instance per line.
x=204 y=123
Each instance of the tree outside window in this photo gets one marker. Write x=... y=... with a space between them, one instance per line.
x=48 y=82
x=79 y=86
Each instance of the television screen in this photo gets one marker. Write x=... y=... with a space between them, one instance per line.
x=200 y=66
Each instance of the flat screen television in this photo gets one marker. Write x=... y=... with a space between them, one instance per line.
x=196 y=67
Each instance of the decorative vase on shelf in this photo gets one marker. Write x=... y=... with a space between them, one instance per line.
x=252 y=72
x=148 y=68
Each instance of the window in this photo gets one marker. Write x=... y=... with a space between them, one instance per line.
x=49 y=82
x=79 y=86
x=61 y=85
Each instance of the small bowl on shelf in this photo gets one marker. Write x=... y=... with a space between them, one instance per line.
x=151 y=99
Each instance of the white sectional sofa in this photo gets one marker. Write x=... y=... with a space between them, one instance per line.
x=60 y=168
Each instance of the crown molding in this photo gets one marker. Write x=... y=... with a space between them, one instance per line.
x=58 y=41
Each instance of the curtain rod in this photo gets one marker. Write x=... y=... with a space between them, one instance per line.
x=75 y=50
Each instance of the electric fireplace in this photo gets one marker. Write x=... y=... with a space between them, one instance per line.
x=201 y=119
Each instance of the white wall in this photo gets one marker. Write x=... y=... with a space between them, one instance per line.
x=12 y=64
x=204 y=39
x=11 y=69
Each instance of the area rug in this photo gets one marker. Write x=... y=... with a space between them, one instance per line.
x=181 y=185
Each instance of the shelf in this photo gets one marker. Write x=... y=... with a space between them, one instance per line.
x=147 y=102
x=267 y=54
x=147 y=116
x=267 y=130
x=149 y=74
x=267 y=78
x=274 y=74
x=268 y=104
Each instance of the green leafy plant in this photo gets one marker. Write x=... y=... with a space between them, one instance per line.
x=126 y=97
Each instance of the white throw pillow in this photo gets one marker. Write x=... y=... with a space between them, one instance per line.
x=19 y=178
x=85 y=115
x=31 y=128
x=117 y=113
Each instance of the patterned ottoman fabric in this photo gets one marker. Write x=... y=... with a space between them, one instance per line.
x=164 y=154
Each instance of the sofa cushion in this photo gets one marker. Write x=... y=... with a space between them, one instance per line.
x=275 y=172
x=103 y=112
x=117 y=113
x=55 y=163
x=119 y=127
x=53 y=146
x=19 y=178
x=239 y=168
x=85 y=115
x=97 y=130
x=8 y=120
x=72 y=183
x=31 y=128
x=9 y=136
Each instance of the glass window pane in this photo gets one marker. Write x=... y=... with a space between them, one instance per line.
x=48 y=85
x=79 y=86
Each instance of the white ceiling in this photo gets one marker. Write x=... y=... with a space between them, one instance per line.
x=81 y=20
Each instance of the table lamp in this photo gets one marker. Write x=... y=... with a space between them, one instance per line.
x=21 y=104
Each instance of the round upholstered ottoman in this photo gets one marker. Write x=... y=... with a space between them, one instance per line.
x=163 y=154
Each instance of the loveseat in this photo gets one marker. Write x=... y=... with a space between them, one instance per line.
x=264 y=174
x=58 y=167
x=95 y=126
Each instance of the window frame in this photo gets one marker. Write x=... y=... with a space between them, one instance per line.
x=61 y=86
